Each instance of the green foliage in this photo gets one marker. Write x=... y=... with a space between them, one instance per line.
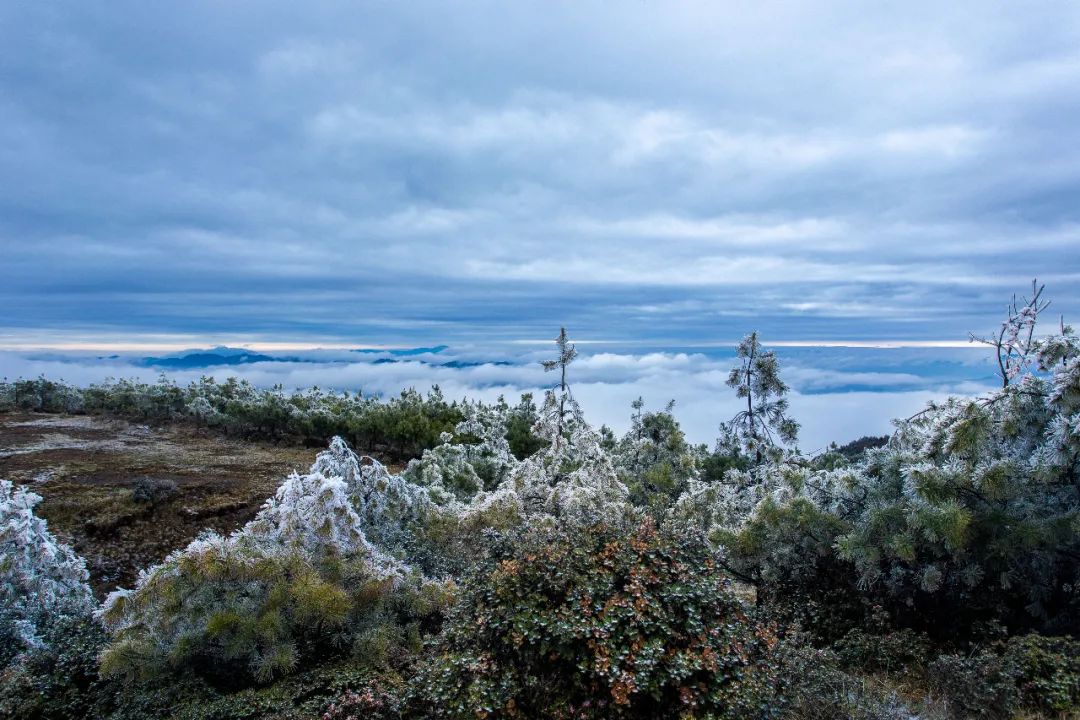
x=58 y=680
x=654 y=460
x=779 y=530
x=970 y=514
x=300 y=696
x=980 y=685
x=904 y=562
x=856 y=448
x=519 y=428
x=243 y=615
x=885 y=651
x=967 y=518
x=715 y=465
x=599 y=623
x=818 y=688
x=1047 y=671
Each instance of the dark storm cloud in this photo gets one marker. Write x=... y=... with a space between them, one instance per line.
x=381 y=172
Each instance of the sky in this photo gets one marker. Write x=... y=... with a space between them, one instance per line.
x=380 y=173
x=659 y=177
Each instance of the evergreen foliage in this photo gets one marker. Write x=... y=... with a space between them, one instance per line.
x=654 y=460
x=970 y=513
x=299 y=581
x=763 y=427
x=42 y=582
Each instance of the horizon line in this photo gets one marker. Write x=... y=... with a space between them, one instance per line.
x=132 y=347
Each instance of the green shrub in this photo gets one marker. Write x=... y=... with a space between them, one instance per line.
x=303 y=695
x=980 y=685
x=600 y=623
x=372 y=701
x=889 y=652
x=883 y=650
x=817 y=688
x=58 y=680
x=1048 y=671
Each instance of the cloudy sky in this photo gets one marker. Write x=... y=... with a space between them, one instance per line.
x=647 y=172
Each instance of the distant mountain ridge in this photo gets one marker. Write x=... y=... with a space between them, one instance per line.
x=226 y=356
x=207 y=359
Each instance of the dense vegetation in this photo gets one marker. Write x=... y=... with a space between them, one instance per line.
x=527 y=565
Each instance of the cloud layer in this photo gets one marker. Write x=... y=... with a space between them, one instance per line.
x=401 y=172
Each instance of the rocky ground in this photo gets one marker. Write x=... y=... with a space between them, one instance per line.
x=125 y=495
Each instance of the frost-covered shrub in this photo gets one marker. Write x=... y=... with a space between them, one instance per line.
x=598 y=622
x=572 y=480
x=414 y=523
x=244 y=610
x=777 y=528
x=41 y=581
x=480 y=460
x=300 y=580
x=654 y=460
x=433 y=514
x=974 y=509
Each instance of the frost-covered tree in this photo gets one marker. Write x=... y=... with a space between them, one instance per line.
x=475 y=457
x=653 y=458
x=760 y=429
x=41 y=580
x=573 y=478
x=976 y=502
x=567 y=353
x=1015 y=344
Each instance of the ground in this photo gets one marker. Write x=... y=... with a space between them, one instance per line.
x=88 y=468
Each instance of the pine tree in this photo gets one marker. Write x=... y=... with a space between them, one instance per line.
x=757 y=429
x=567 y=353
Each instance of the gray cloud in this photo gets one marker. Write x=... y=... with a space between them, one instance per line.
x=680 y=172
